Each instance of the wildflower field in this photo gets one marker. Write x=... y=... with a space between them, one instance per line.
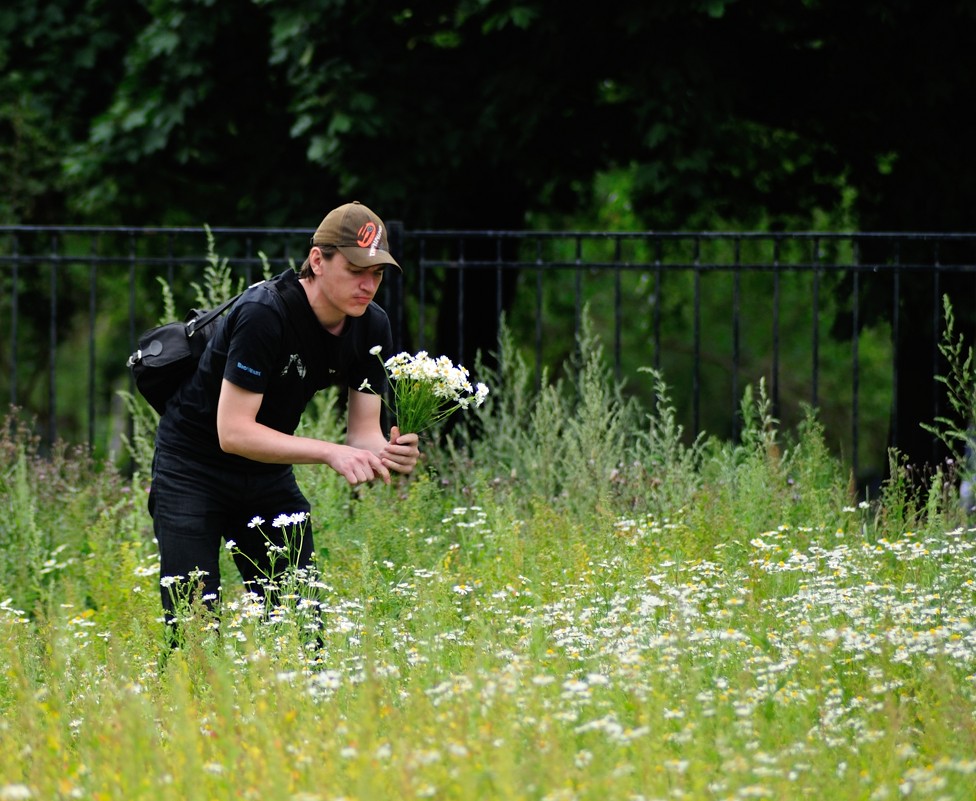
x=575 y=602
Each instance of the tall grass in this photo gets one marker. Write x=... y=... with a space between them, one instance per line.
x=568 y=601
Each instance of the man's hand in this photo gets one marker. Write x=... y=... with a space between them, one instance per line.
x=357 y=465
x=401 y=452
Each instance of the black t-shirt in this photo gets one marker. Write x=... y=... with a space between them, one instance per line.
x=271 y=343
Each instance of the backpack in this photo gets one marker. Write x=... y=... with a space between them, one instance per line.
x=168 y=354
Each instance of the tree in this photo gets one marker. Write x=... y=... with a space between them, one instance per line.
x=885 y=86
x=476 y=113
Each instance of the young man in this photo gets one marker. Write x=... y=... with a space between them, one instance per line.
x=226 y=443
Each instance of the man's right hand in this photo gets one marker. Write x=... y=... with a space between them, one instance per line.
x=357 y=466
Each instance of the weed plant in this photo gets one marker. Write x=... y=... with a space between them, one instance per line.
x=569 y=600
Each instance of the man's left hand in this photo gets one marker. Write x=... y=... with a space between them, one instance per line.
x=401 y=452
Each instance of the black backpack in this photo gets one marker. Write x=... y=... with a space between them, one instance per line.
x=168 y=354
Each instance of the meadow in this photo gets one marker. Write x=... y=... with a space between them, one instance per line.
x=570 y=600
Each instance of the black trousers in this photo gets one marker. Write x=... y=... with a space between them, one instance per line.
x=198 y=508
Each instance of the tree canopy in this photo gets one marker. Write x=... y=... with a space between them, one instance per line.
x=474 y=113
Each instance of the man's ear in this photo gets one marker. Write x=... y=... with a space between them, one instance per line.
x=316 y=261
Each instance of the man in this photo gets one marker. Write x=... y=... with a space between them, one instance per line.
x=226 y=443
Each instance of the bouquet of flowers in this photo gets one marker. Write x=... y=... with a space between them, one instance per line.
x=426 y=390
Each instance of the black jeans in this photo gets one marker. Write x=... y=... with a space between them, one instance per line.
x=194 y=507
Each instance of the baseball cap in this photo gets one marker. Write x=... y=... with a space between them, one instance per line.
x=358 y=233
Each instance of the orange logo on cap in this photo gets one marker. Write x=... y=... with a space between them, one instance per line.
x=366 y=235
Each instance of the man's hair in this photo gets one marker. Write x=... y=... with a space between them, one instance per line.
x=328 y=251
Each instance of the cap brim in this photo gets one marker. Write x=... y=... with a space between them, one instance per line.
x=361 y=257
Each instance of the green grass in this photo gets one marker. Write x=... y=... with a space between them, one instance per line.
x=577 y=603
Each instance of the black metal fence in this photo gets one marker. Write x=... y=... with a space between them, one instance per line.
x=823 y=319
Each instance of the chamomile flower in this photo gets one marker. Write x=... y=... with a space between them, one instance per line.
x=293 y=519
x=427 y=390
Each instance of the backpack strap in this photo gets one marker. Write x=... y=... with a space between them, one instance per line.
x=198 y=321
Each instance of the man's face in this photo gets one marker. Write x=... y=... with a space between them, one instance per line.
x=350 y=288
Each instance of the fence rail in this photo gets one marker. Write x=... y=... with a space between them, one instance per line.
x=824 y=319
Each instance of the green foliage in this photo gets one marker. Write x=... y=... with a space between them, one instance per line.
x=651 y=314
x=672 y=465
x=956 y=431
x=770 y=479
x=57 y=63
x=599 y=420
x=566 y=442
x=331 y=500
x=141 y=442
x=144 y=95
x=578 y=444
x=133 y=113
x=29 y=156
x=58 y=511
x=588 y=628
x=218 y=282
